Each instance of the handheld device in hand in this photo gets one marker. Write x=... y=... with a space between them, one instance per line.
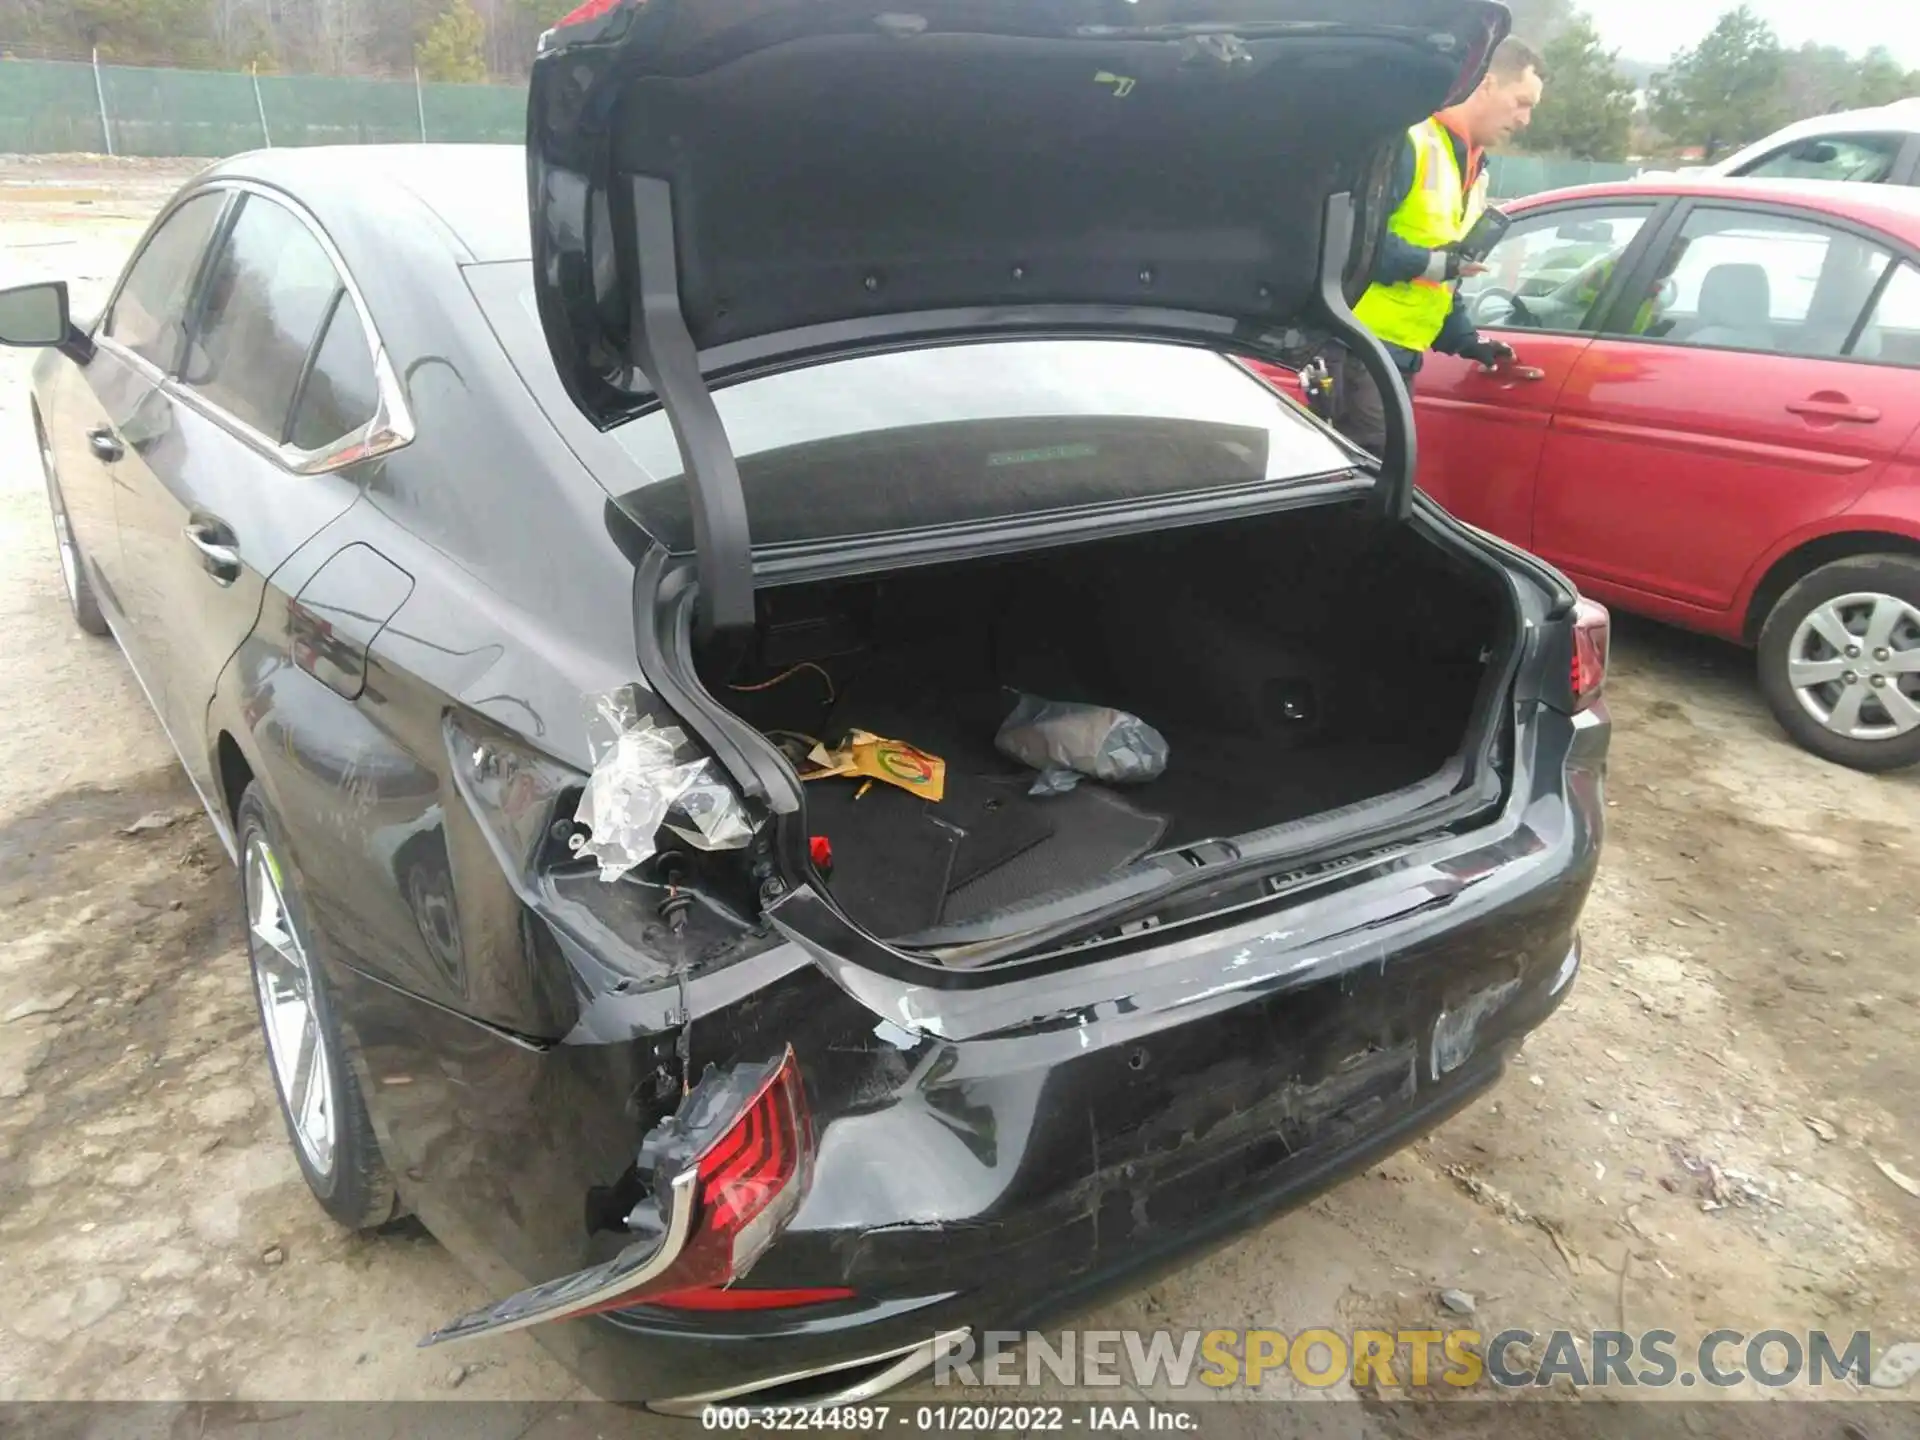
x=1484 y=235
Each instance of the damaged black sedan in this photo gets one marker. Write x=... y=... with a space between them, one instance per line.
x=817 y=765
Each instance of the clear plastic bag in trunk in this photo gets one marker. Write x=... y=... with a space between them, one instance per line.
x=1065 y=741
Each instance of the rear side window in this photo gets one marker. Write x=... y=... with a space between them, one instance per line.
x=267 y=294
x=339 y=395
x=1747 y=280
x=1864 y=159
x=148 y=313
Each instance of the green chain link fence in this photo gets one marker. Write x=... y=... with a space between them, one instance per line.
x=1511 y=176
x=55 y=105
x=49 y=106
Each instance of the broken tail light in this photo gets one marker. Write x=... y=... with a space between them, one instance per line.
x=741 y=1297
x=1592 y=641
x=580 y=15
x=729 y=1168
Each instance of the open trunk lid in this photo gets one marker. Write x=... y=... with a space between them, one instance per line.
x=723 y=188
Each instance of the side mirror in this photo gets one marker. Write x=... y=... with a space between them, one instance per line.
x=37 y=315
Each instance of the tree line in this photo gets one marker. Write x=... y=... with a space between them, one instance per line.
x=445 y=39
x=1737 y=85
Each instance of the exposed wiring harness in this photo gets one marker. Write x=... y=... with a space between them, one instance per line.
x=788 y=674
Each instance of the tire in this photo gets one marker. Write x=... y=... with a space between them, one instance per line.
x=73 y=570
x=337 y=1151
x=1853 y=595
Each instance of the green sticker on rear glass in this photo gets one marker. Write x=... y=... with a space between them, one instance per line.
x=1050 y=452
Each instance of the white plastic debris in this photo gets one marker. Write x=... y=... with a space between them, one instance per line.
x=641 y=782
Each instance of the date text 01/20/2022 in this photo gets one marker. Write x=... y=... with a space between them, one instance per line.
x=1022 y=1419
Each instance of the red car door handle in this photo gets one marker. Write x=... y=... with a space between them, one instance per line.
x=1835 y=407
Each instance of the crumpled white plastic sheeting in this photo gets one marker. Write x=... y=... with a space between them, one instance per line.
x=640 y=784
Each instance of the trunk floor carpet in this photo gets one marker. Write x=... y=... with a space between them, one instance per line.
x=1219 y=786
x=902 y=864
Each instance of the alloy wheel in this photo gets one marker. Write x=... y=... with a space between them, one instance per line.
x=1854 y=665
x=284 y=976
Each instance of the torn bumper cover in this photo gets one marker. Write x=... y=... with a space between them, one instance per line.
x=728 y=1170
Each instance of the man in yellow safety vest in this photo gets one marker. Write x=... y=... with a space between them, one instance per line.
x=1438 y=191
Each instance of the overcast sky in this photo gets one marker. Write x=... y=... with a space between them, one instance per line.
x=1654 y=29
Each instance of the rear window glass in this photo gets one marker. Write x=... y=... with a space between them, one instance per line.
x=981 y=432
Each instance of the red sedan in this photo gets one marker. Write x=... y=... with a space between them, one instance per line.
x=1714 y=421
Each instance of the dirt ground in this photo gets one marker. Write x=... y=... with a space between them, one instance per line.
x=1695 y=1142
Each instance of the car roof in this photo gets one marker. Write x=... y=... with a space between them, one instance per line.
x=478 y=192
x=1893 y=208
x=1901 y=117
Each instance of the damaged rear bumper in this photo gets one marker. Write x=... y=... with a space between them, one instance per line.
x=815 y=1368
x=1001 y=1156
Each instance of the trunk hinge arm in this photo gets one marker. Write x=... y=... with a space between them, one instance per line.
x=664 y=350
x=1393 y=494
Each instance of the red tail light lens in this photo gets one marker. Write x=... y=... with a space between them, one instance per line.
x=592 y=10
x=559 y=33
x=740 y=1298
x=749 y=1182
x=730 y=1168
x=1592 y=641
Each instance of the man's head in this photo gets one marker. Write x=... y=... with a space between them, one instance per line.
x=1503 y=104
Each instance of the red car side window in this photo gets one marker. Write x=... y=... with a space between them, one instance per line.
x=1755 y=280
x=1892 y=331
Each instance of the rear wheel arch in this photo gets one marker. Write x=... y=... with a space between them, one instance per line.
x=1801 y=561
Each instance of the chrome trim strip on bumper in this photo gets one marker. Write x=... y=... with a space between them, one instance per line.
x=908 y=1361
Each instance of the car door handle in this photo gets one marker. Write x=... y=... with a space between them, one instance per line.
x=1834 y=407
x=1511 y=375
x=219 y=554
x=105 y=444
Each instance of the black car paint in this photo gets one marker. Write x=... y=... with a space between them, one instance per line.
x=1086 y=1122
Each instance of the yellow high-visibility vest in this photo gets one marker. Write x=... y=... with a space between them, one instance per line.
x=1438 y=211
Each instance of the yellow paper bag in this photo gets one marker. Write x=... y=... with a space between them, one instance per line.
x=894 y=761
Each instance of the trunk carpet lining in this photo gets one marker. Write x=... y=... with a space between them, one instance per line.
x=1218 y=786
x=901 y=864
x=1229 y=640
